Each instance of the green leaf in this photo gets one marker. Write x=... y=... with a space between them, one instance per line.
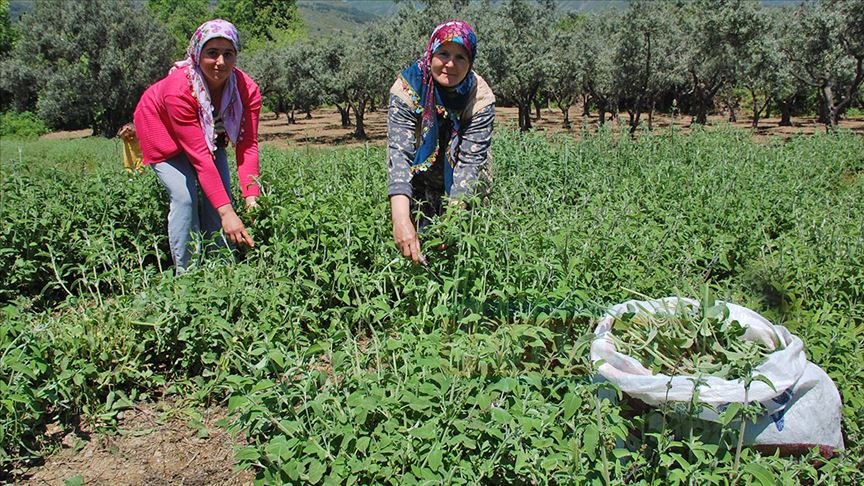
x=590 y=438
x=237 y=401
x=278 y=448
x=730 y=413
x=248 y=453
x=363 y=443
x=571 y=404
x=505 y=385
x=428 y=431
x=262 y=385
x=501 y=416
x=74 y=481
x=483 y=401
x=766 y=380
x=760 y=473
x=435 y=458
x=316 y=471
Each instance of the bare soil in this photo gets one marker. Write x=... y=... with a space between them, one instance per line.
x=155 y=444
x=324 y=129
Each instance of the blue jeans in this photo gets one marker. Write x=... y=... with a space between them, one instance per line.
x=191 y=217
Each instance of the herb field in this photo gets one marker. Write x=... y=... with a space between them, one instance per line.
x=340 y=362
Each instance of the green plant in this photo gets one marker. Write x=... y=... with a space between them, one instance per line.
x=340 y=360
x=21 y=125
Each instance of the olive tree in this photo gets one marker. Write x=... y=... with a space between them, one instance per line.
x=262 y=23
x=348 y=74
x=645 y=62
x=761 y=71
x=8 y=36
x=596 y=50
x=7 y=32
x=829 y=53
x=85 y=63
x=516 y=52
x=788 y=92
x=716 y=32
x=564 y=78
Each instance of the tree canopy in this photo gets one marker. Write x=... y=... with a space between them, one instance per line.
x=86 y=64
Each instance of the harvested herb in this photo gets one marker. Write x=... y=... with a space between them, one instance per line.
x=687 y=339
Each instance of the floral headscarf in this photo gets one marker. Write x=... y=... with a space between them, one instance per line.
x=231 y=110
x=433 y=101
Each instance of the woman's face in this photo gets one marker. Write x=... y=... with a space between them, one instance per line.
x=450 y=64
x=217 y=61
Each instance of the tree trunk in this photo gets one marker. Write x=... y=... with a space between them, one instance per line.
x=345 y=116
x=831 y=111
x=635 y=113
x=703 y=100
x=537 y=108
x=525 y=116
x=308 y=113
x=360 y=129
x=651 y=114
x=634 y=121
x=566 y=112
x=701 y=117
x=758 y=109
x=785 y=109
x=756 y=113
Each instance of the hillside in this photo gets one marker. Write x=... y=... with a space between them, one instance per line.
x=327 y=17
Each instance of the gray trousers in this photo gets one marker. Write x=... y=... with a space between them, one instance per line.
x=191 y=217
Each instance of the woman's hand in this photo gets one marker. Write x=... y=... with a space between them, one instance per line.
x=251 y=202
x=233 y=227
x=127 y=132
x=404 y=234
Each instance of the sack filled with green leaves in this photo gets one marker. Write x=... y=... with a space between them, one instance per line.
x=675 y=349
x=657 y=350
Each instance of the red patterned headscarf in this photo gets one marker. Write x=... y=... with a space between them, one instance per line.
x=433 y=101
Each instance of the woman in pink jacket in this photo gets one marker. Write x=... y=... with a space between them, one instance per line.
x=184 y=123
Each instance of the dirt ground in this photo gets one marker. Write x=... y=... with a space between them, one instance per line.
x=155 y=444
x=324 y=128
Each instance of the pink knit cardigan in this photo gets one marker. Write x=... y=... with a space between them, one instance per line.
x=166 y=121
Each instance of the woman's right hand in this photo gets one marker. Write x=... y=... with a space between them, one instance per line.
x=233 y=227
x=404 y=234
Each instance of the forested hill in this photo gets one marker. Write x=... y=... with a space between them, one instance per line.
x=324 y=17
x=332 y=16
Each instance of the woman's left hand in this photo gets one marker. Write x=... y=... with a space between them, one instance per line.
x=251 y=202
x=233 y=227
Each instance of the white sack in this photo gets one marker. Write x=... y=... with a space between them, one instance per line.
x=802 y=411
x=783 y=367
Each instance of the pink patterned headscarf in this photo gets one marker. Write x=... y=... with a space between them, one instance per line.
x=231 y=110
